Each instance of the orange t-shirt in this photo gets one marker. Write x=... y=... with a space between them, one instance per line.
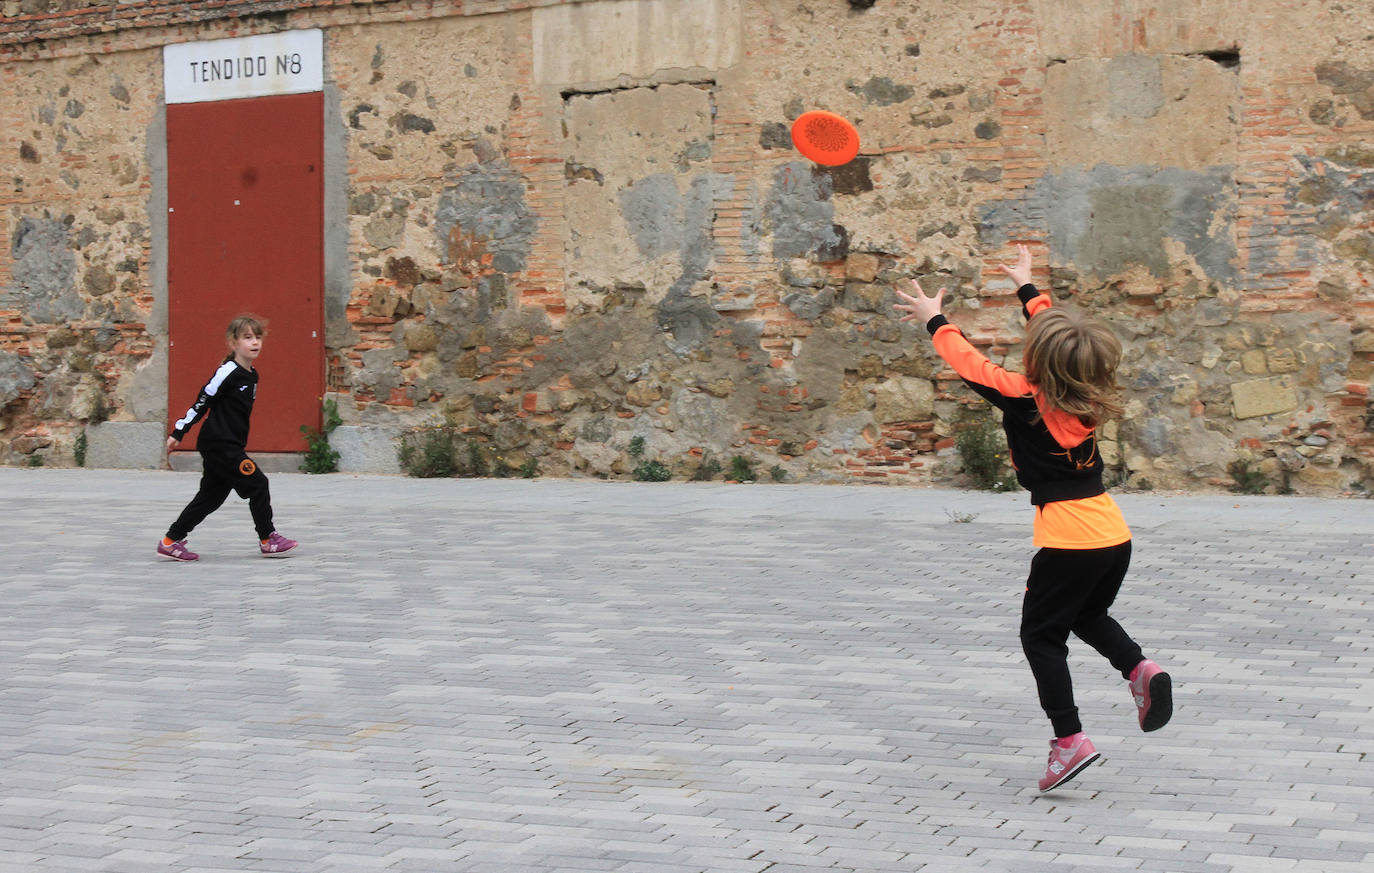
x=1088 y=523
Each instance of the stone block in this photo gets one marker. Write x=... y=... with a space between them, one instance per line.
x=366 y=449
x=1263 y=397
x=1184 y=392
x=643 y=394
x=1282 y=360
x=268 y=462
x=15 y=376
x=1111 y=452
x=864 y=297
x=1323 y=478
x=421 y=338
x=903 y=399
x=126 y=445
x=861 y=267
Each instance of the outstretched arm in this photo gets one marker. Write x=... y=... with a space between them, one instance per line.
x=956 y=351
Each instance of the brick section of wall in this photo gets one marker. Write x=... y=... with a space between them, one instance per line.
x=12 y=117
x=118 y=17
x=1276 y=242
x=105 y=28
x=538 y=159
x=745 y=283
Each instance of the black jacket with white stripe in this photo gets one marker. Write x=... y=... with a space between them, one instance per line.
x=228 y=399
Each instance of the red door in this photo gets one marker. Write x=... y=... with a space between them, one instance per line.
x=245 y=234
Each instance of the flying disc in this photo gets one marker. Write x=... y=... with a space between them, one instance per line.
x=825 y=137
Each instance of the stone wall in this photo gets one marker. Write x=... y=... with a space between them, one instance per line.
x=573 y=223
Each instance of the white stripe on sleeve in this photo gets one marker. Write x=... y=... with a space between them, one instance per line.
x=209 y=390
x=220 y=375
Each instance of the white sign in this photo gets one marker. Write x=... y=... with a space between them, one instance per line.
x=290 y=62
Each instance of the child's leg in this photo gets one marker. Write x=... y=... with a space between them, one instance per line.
x=251 y=483
x=1098 y=629
x=1060 y=582
x=210 y=497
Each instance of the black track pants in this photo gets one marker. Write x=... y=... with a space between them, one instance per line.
x=1070 y=591
x=226 y=471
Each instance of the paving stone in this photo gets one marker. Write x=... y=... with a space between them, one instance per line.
x=551 y=675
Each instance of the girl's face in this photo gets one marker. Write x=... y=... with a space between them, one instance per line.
x=247 y=346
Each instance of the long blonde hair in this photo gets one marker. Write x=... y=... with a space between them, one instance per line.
x=1072 y=359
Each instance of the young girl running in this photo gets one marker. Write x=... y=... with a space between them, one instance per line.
x=1050 y=416
x=228 y=399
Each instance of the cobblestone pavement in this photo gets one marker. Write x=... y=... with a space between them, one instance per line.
x=549 y=675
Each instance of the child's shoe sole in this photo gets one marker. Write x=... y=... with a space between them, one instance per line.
x=1161 y=703
x=1072 y=772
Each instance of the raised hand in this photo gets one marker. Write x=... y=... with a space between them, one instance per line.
x=920 y=307
x=1021 y=273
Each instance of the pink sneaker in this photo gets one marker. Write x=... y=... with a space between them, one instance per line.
x=276 y=546
x=1153 y=693
x=1065 y=763
x=177 y=551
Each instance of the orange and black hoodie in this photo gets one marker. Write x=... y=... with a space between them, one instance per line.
x=1054 y=453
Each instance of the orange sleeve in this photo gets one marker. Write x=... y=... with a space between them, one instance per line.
x=970 y=364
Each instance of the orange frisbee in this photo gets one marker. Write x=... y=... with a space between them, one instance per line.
x=825 y=137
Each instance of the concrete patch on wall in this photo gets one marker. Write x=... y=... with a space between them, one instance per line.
x=1077 y=28
x=663 y=221
x=800 y=215
x=1107 y=220
x=43 y=278
x=146 y=397
x=605 y=40
x=1135 y=109
x=642 y=154
x=821 y=364
x=337 y=276
x=652 y=209
x=709 y=419
x=687 y=320
x=482 y=218
x=685 y=316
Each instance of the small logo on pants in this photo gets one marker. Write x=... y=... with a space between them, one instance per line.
x=247 y=467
